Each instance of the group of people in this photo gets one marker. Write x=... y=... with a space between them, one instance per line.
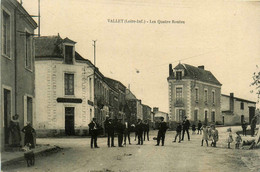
x=123 y=131
x=15 y=133
x=141 y=130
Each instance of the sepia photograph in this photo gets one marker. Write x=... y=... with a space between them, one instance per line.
x=130 y=85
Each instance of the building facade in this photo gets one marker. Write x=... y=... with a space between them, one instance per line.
x=64 y=88
x=147 y=113
x=193 y=92
x=121 y=89
x=235 y=110
x=17 y=76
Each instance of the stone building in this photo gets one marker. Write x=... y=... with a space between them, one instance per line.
x=64 y=88
x=135 y=106
x=193 y=92
x=121 y=96
x=104 y=103
x=17 y=75
x=235 y=110
x=147 y=113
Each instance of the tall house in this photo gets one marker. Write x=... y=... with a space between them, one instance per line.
x=64 y=88
x=193 y=92
x=17 y=74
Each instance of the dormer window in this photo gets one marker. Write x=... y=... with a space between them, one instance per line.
x=178 y=75
x=68 y=54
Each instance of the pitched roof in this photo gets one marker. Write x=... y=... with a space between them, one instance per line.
x=239 y=99
x=48 y=46
x=192 y=72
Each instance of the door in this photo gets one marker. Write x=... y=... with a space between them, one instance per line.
x=242 y=118
x=195 y=115
x=251 y=113
x=7 y=113
x=213 y=116
x=206 y=118
x=69 y=121
x=30 y=110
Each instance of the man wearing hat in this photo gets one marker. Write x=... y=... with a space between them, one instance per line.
x=93 y=131
x=162 y=130
x=120 y=132
x=110 y=129
x=185 y=127
x=139 y=131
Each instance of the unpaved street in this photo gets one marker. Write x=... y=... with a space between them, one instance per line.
x=186 y=156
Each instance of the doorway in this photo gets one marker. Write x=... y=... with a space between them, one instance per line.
x=7 y=113
x=69 y=121
x=251 y=113
x=206 y=118
x=30 y=110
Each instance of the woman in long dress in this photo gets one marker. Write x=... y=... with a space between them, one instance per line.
x=15 y=135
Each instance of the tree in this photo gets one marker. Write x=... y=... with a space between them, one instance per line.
x=256 y=82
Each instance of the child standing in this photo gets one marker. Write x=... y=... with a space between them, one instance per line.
x=238 y=140
x=214 y=135
x=230 y=137
x=193 y=127
x=205 y=134
x=178 y=132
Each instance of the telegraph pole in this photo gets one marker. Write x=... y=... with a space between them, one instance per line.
x=94 y=73
x=94 y=41
x=39 y=19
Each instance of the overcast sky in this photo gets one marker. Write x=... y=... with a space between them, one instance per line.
x=223 y=36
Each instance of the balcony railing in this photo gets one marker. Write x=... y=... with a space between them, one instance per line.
x=179 y=102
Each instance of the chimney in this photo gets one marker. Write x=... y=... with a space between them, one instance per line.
x=170 y=70
x=231 y=102
x=155 y=109
x=201 y=67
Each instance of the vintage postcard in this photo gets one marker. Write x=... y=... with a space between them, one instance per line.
x=130 y=85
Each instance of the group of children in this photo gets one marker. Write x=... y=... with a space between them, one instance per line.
x=210 y=133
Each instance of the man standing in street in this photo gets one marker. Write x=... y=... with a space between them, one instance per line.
x=120 y=132
x=127 y=133
x=93 y=130
x=185 y=127
x=139 y=131
x=161 y=133
x=110 y=130
x=146 y=130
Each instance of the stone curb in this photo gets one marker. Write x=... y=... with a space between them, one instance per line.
x=36 y=152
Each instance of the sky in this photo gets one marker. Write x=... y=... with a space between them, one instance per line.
x=222 y=35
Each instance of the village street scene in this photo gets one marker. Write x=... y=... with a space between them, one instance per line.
x=129 y=86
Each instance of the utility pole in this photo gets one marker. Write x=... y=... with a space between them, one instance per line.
x=94 y=73
x=39 y=19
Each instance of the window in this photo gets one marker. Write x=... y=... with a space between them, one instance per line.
x=206 y=96
x=196 y=94
x=6 y=34
x=28 y=50
x=69 y=84
x=178 y=94
x=213 y=97
x=90 y=88
x=195 y=115
x=242 y=105
x=213 y=116
x=68 y=54
x=178 y=75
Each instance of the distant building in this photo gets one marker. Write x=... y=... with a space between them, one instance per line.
x=193 y=92
x=134 y=106
x=158 y=114
x=17 y=73
x=64 y=88
x=121 y=96
x=235 y=110
x=105 y=98
x=146 y=113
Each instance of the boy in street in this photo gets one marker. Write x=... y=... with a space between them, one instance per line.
x=178 y=132
x=93 y=130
